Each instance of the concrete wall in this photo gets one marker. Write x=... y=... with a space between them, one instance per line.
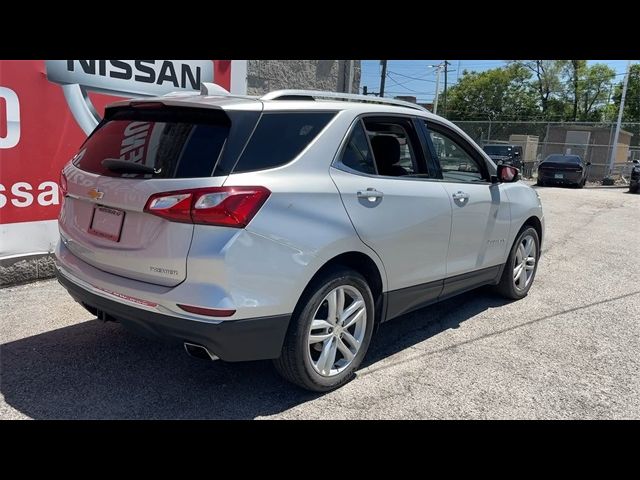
x=26 y=269
x=266 y=75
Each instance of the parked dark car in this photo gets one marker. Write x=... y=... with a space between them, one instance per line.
x=506 y=154
x=561 y=169
x=634 y=183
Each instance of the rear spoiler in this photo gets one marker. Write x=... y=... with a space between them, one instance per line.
x=156 y=103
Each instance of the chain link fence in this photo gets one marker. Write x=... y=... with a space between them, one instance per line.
x=593 y=141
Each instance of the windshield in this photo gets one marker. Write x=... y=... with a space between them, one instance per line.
x=563 y=158
x=502 y=150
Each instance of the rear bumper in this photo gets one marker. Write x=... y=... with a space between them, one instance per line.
x=567 y=177
x=231 y=340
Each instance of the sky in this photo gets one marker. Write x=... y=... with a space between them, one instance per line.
x=418 y=77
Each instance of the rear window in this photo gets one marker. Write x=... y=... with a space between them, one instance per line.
x=279 y=138
x=563 y=158
x=175 y=143
x=497 y=150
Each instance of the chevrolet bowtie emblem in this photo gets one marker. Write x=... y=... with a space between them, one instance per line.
x=95 y=194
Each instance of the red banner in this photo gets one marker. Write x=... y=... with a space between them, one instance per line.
x=47 y=108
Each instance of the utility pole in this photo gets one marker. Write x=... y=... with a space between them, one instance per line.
x=614 y=150
x=435 y=101
x=365 y=90
x=383 y=76
x=446 y=64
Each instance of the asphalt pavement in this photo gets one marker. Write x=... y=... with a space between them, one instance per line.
x=570 y=349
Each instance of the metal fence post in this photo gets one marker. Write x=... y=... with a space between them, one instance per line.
x=546 y=140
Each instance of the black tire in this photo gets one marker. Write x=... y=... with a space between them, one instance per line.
x=506 y=287
x=581 y=184
x=540 y=183
x=635 y=188
x=294 y=363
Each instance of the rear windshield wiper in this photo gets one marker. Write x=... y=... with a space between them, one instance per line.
x=122 y=166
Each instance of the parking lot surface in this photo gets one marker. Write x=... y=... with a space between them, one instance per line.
x=571 y=349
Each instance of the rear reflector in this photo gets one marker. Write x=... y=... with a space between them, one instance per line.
x=222 y=206
x=210 y=312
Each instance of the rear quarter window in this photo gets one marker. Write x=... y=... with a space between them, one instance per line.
x=279 y=138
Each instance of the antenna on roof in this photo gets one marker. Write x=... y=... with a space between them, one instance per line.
x=207 y=88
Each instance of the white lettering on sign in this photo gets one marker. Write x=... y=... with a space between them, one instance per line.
x=21 y=194
x=21 y=190
x=132 y=147
x=12 y=118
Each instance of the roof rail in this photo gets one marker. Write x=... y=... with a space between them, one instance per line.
x=305 y=94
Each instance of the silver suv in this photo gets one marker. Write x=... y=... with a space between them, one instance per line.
x=286 y=227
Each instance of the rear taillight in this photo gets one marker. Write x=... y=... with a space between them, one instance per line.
x=172 y=206
x=63 y=183
x=223 y=206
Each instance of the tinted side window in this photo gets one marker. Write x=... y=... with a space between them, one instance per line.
x=357 y=154
x=279 y=138
x=456 y=164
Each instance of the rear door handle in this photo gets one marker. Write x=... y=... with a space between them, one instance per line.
x=370 y=194
x=460 y=196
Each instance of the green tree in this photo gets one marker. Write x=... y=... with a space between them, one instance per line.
x=497 y=94
x=547 y=79
x=631 y=111
x=574 y=71
x=594 y=89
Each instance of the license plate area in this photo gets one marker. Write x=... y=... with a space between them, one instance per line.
x=107 y=223
x=558 y=175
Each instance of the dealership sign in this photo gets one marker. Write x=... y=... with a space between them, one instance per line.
x=48 y=107
x=123 y=78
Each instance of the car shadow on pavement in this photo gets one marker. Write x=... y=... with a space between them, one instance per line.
x=413 y=328
x=95 y=370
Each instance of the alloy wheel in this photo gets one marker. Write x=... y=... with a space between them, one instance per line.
x=337 y=330
x=525 y=263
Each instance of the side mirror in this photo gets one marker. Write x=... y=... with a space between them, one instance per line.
x=507 y=173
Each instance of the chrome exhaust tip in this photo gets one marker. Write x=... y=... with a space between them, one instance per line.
x=198 y=351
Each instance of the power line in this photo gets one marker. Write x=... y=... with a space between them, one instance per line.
x=409 y=89
x=398 y=84
x=420 y=79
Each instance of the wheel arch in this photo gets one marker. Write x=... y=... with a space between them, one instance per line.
x=534 y=222
x=365 y=266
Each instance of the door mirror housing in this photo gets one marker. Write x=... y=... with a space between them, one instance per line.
x=507 y=173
